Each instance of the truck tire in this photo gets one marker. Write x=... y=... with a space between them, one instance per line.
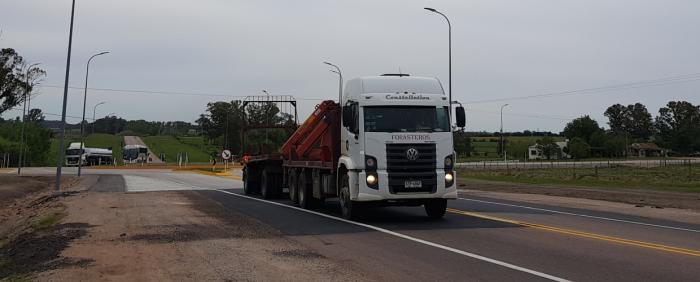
x=349 y=209
x=293 y=186
x=436 y=208
x=268 y=185
x=306 y=196
x=250 y=185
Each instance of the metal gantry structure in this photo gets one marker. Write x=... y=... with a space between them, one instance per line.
x=286 y=104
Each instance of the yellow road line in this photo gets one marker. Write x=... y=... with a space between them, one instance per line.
x=582 y=234
x=219 y=174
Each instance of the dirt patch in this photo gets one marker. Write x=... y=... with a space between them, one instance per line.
x=640 y=198
x=31 y=236
x=164 y=236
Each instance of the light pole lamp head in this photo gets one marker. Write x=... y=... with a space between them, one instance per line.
x=430 y=9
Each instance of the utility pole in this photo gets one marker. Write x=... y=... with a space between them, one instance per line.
x=267 y=116
x=503 y=145
x=61 y=150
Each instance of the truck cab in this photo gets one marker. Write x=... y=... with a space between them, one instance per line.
x=396 y=142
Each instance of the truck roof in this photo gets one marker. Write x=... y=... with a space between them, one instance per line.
x=394 y=84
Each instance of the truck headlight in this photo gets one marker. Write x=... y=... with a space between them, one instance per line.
x=371 y=179
x=449 y=179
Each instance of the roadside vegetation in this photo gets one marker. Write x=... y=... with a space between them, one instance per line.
x=679 y=178
x=171 y=147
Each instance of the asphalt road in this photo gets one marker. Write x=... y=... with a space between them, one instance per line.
x=479 y=239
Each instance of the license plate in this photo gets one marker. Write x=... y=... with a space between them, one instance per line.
x=413 y=184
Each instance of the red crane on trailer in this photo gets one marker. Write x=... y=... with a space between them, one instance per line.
x=314 y=145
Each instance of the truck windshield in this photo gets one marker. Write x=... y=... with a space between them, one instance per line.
x=72 y=152
x=406 y=119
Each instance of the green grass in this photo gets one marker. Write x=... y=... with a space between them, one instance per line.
x=48 y=221
x=171 y=146
x=669 y=178
x=486 y=148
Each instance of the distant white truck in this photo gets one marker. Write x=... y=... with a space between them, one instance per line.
x=88 y=156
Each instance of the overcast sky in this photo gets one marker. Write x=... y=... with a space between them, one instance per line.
x=501 y=49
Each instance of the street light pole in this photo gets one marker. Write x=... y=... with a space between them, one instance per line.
x=449 y=40
x=267 y=116
x=61 y=151
x=82 y=122
x=503 y=145
x=94 y=109
x=340 y=80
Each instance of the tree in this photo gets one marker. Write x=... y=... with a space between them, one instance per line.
x=617 y=118
x=641 y=125
x=583 y=127
x=16 y=79
x=678 y=125
x=109 y=125
x=633 y=120
x=35 y=115
x=462 y=143
x=578 y=148
x=548 y=147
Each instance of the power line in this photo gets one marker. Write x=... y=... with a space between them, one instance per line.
x=159 y=92
x=639 y=84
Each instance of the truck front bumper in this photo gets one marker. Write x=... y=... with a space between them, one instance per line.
x=382 y=192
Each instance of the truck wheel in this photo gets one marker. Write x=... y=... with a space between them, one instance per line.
x=293 y=186
x=250 y=186
x=436 y=208
x=306 y=197
x=268 y=185
x=350 y=210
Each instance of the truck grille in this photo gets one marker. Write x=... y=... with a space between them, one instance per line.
x=403 y=166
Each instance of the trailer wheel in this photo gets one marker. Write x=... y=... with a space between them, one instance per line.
x=350 y=210
x=268 y=185
x=250 y=186
x=436 y=208
x=293 y=186
x=306 y=198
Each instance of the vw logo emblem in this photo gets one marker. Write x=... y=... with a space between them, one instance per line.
x=412 y=154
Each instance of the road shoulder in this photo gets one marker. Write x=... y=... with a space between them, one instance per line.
x=181 y=236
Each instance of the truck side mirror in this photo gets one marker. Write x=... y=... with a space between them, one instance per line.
x=347 y=116
x=461 y=117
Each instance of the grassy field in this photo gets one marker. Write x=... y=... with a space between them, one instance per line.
x=681 y=178
x=171 y=146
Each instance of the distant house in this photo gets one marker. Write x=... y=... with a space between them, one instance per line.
x=536 y=152
x=643 y=150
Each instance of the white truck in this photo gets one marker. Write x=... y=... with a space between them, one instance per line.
x=394 y=146
x=88 y=156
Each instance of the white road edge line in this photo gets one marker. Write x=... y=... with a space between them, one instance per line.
x=446 y=248
x=583 y=215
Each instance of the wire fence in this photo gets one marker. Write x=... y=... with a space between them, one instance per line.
x=516 y=165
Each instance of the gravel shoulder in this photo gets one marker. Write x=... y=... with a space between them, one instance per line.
x=162 y=236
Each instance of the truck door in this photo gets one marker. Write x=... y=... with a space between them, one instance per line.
x=352 y=143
